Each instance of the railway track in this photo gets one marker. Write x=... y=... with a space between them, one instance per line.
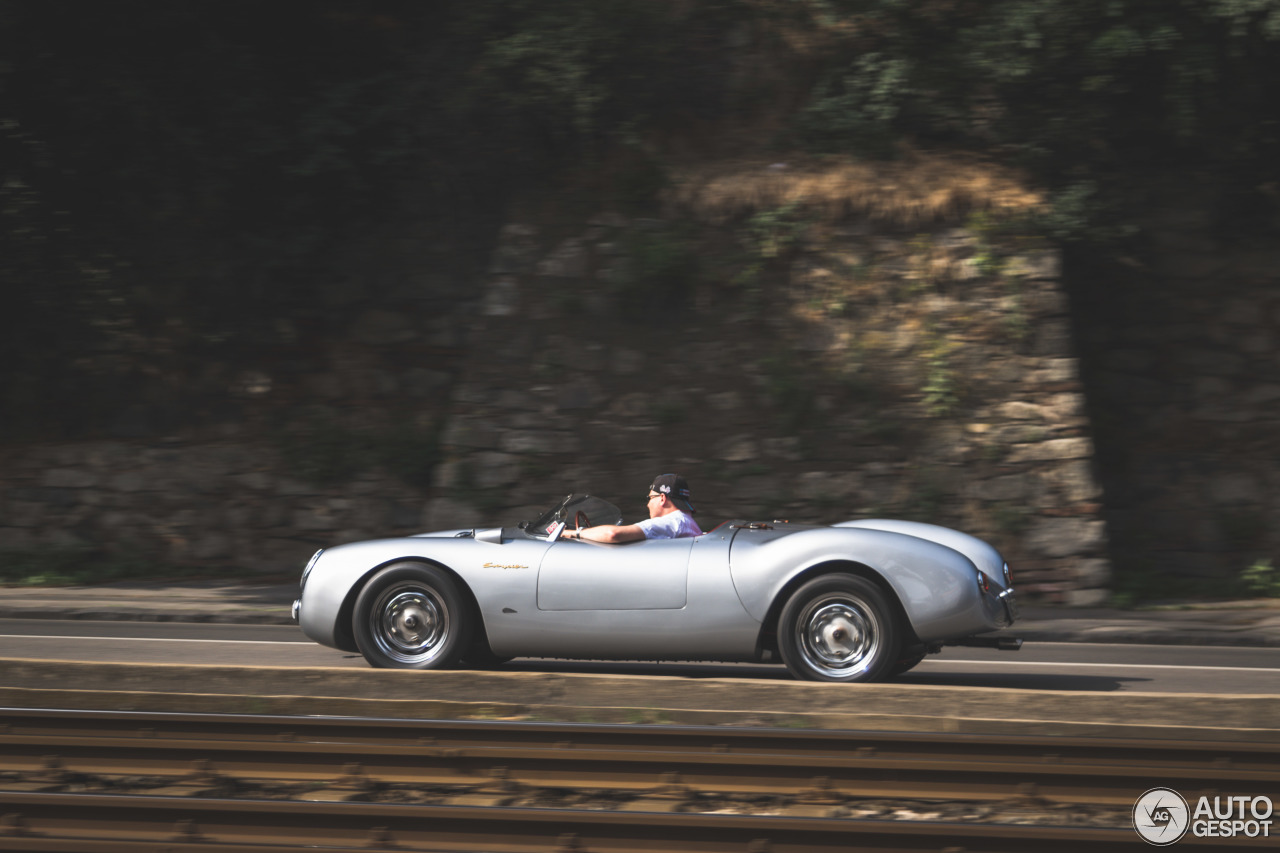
x=113 y=781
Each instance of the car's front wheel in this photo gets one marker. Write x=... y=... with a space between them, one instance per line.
x=838 y=628
x=410 y=616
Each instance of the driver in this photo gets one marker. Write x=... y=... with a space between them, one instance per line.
x=670 y=516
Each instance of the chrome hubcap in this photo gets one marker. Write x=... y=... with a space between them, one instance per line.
x=839 y=636
x=411 y=624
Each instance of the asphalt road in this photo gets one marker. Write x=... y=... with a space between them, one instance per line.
x=1084 y=667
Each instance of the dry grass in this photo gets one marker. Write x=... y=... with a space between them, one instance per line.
x=917 y=190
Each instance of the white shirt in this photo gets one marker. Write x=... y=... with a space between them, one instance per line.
x=673 y=525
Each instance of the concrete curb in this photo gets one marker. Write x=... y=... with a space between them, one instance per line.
x=440 y=709
x=634 y=699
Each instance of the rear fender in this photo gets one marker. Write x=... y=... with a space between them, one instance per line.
x=933 y=584
x=769 y=628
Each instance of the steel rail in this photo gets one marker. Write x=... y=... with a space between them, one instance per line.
x=44 y=750
x=463 y=734
x=115 y=824
x=870 y=775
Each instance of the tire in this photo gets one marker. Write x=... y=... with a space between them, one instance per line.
x=838 y=628
x=411 y=616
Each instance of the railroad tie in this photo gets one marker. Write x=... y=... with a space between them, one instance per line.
x=14 y=825
x=186 y=832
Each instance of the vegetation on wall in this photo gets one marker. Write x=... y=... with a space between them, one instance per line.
x=1094 y=96
x=175 y=174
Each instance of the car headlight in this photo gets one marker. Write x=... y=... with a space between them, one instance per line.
x=311 y=564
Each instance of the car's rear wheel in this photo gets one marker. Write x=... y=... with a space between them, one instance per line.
x=410 y=616
x=838 y=627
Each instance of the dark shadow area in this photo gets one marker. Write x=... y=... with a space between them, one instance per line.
x=1021 y=681
x=1002 y=680
x=670 y=669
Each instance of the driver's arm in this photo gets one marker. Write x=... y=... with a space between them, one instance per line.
x=608 y=533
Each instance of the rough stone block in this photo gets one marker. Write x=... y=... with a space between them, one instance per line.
x=494 y=469
x=1035 y=265
x=211 y=546
x=69 y=478
x=568 y=260
x=15 y=539
x=1052 y=337
x=1065 y=537
x=533 y=441
x=1092 y=573
x=128 y=481
x=1085 y=597
x=313 y=518
x=288 y=487
x=1074 y=481
x=1262 y=395
x=423 y=382
x=1010 y=488
x=1045 y=301
x=627 y=362
x=502 y=298
x=381 y=328
x=450 y=513
x=1057 y=448
x=468 y=433
x=739 y=448
x=1020 y=410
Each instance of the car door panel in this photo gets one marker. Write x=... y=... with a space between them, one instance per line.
x=651 y=574
x=711 y=625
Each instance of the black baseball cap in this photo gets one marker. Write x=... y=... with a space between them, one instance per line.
x=675 y=487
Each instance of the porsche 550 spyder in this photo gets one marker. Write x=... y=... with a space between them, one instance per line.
x=850 y=602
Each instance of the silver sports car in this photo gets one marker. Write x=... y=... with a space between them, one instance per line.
x=857 y=601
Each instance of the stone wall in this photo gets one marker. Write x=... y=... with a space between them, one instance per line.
x=329 y=438
x=859 y=370
x=192 y=502
x=790 y=366
x=792 y=362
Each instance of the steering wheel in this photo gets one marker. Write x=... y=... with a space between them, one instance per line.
x=580 y=520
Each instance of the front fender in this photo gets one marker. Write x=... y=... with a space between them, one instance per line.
x=340 y=572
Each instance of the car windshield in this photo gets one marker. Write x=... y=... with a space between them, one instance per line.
x=593 y=511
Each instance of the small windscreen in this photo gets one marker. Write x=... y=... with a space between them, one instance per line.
x=593 y=511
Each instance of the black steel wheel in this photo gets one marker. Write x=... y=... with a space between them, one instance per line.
x=411 y=616
x=838 y=627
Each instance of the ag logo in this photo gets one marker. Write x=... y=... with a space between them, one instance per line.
x=1161 y=816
